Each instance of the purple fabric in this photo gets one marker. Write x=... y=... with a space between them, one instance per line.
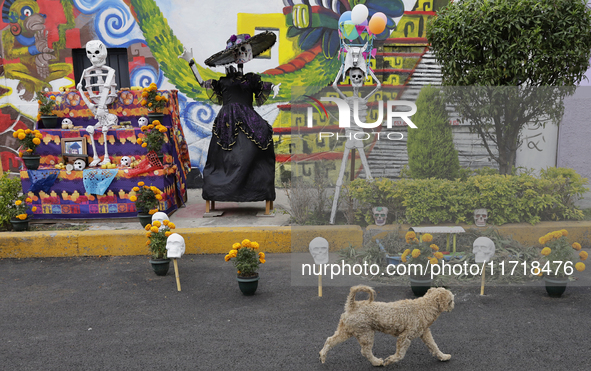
x=236 y=116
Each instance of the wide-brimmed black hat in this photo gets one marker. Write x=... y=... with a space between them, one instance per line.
x=259 y=44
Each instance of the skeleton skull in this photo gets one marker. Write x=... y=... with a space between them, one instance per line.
x=161 y=217
x=319 y=250
x=480 y=217
x=79 y=164
x=96 y=51
x=380 y=214
x=483 y=249
x=356 y=76
x=142 y=121
x=175 y=246
x=67 y=123
x=244 y=54
x=125 y=161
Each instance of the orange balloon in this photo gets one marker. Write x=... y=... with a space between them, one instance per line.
x=377 y=25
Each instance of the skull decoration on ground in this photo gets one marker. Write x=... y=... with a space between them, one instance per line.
x=319 y=250
x=161 y=217
x=380 y=215
x=175 y=246
x=483 y=249
x=67 y=124
x=79 y=164
x=480 y=217
x=125 y=161
x=142 y=121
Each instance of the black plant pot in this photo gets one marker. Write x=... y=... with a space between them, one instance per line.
x=248 y=285
x=144 y=218
x=420 y=284
x=160 y=267
x=31 y=161
x=555 y=286
x=49 y=121
x=155 y=116
x=20 y=225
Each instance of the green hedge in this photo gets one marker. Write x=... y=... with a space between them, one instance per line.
x=508 y=198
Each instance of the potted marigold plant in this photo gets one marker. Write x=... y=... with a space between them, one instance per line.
x=154 y=101
x=247 y=261
x=157 y=234
x=46 y=106
x=29 y=140
x=20 y=213
x=419 y=256
x=147 y=201
x=558 y=262
x=154 y=137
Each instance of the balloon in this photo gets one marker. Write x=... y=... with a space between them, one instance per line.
x=364 y=23
x=359 y=13
x=346 y=16
x=349 y=30
x=377 y=25
x=382 y=15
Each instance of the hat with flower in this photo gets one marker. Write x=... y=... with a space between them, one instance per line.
x=240 y=43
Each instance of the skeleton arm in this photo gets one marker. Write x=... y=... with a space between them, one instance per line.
x=89 y=104
x=336 y=81
x=378 y=86
x=188 y=56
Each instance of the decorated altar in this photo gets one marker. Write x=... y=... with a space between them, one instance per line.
x=105 y=192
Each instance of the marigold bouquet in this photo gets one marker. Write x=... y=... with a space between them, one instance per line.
x=45 y=105
x=154 y=139
x=558 y=254
x=246 y=259
x=422 y=251
x=29 y=139
x=157 y=234
x=147 y=199
x=153 y=100
x=21 y=207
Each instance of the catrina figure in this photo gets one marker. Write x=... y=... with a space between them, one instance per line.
x=240 y=163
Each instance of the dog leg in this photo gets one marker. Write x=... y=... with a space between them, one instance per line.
x=428 y=340
x=401 y=347
x=366 y=341
x=339 y=336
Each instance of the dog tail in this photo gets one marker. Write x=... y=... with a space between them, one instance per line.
x=350 y=304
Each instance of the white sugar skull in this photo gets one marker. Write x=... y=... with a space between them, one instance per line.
x=480 y=217
x=79 y=164
x=142 y=121
x=244 y=54
x=161 y=217
x=380 y=215
x=356 y=76
x=125 y=161
x=96 y=51
x=67 y=123
x=319 y=250
x=483 y=249
x=175 y=246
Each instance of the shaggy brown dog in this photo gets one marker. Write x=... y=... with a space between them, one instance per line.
x=406 y=319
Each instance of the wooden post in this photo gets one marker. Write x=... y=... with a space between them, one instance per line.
x=455 y=234
x=482 y=282
x=352 y=164
x=176 y=274
x=206 y=206
x=212 y=205
x=320 y=282
x=268 y=207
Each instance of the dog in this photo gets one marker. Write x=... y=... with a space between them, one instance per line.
x=405 y=319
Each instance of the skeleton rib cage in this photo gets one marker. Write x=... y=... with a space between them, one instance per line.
x=94 y=77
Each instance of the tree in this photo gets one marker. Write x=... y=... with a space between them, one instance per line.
x=515 y=61
x=431 y=151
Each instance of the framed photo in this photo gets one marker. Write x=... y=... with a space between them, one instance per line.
x=73 y=148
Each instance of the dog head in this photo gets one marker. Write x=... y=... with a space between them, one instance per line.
x=444 y=298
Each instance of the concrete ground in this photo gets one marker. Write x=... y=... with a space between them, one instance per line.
x=114 y=313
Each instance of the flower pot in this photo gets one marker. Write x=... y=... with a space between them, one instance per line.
x=160 y=266
x=20 y=225
x=145 y=219
x=393 y=259
x=31 y=161
x=248 y=285
x=49 y=121
x=420 y=284
x=161 y=158
x=155 y=116
x=555 y=286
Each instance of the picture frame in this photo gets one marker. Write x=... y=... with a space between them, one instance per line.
x=73 y=148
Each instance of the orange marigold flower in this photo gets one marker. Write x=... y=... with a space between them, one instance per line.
x=433 y=261
x=52 y=97
x=132 y=198
x=427 y=237
x=144 y=145
x=153 y=211
x=22 y=136
x=148 y=227
x=158 y=197
x=564 y=232
x=34 y=208
x=139 y=141
x=546 y=251
x=36 y=141
x=165 y=222
x=157 y=223
x=438 y=255
x=434 y=247
x=410 y=235
x=416 y=253
x=171 y=225
x=18 y=202
x=236 y=246
x=28 y=131
x=148 y=234
x=167 y=233
x=406 y=252
x=141 y=184
x=583 y=255
x=136 y=189
x=227 y=258
x=580 y=266
x=576 y=246
x=154 y=229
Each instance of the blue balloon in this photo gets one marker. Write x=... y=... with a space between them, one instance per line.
x=346 y=16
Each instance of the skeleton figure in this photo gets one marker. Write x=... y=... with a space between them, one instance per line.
x=175 y=246
x=79 y=164
x=356 y=67
x=319 y=250
x=101 y=88
x=161 y=217
x=380 y=215
x=480 y=217
x=483 y=249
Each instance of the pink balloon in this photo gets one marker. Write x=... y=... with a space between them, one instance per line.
x=381 y=15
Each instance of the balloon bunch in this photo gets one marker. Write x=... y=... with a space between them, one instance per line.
x=354 y=23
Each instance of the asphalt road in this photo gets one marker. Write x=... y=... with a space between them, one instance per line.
x=114 y=313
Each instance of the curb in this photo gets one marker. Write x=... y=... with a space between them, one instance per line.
x=217 y=240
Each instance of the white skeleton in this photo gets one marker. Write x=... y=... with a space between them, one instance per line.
x=356 y=67
x=319 y=250
x=101 y=88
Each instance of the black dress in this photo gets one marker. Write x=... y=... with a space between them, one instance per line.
x=240 y=163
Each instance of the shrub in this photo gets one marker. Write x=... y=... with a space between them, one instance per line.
x=146 y=199
x=158 y=234
x=10 y=189
x=154 y=139
x=431 y=152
